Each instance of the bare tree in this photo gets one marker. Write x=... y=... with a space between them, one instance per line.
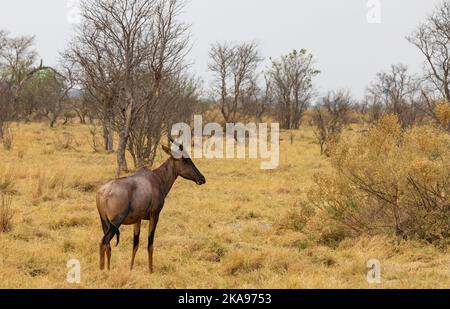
x=63 y=83
x=17 y=67
x=258 y=99
x=110 y=45
x=165 y=89
x=46 y=93
x=127 y=53
x=81 y=105
x=330 y=117
x=398 y=93
x=292 y=84
x=267 y=99
x=123 y=25
x=97 y=73
x=371 y=107
x=234 y=67
x=432 y=38
x=16 y=59
x=175 y=102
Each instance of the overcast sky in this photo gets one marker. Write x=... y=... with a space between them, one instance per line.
x=349 y=50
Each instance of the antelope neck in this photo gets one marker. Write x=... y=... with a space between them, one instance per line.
x=167 y=175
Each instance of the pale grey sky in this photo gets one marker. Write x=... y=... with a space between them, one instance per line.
x=348 y=49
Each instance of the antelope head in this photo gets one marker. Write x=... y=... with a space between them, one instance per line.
x=184 y=165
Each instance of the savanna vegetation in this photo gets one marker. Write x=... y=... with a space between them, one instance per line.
x=273 y=237
x=357 y=180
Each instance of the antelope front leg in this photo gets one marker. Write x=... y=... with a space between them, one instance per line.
x=151 y=237
x=137 y=232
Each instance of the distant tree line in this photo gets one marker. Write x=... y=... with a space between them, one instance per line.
x=126 y=72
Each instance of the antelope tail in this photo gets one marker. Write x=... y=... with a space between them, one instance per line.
x=116 y=232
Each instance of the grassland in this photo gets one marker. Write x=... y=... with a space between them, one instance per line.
x=237 y=231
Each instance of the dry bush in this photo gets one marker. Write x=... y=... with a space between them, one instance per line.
x=21 y=153
x=69 y=223
x=82 y=184
x=48 y=186
x=320 y=229
x=6 y=184
x=94 y=138
x=389 y=181
x=8 y=138
x=6 y=213
x=7 y=180
x=330 y=118
x=241 y=263
x=39 y=185
x=215 y=252
x=296 y=218
x=443 y=114
x=69 y=116
x=65 y=141
x=56 y=184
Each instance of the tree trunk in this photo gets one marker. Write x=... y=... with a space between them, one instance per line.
x=2 y=130
x=81 y=116
x=121 y=153
x=108 y=137
x=123 y=138
x=53 y=121
x=108 y=129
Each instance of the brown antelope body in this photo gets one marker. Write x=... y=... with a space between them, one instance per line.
x=128 y=201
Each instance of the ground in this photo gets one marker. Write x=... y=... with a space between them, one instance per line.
x=234 y=232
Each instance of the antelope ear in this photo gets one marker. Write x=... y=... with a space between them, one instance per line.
x=167 y=150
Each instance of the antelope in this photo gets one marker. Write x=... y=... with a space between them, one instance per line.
x=128 y=201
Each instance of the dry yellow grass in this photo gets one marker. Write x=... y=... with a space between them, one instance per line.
x=238 y=231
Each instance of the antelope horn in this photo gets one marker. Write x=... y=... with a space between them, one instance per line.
x=171 y=139
x=175 y=143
